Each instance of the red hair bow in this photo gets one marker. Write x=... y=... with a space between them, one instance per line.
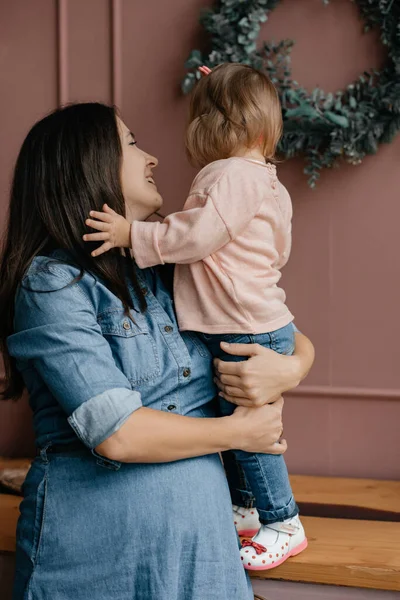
x=205 y=71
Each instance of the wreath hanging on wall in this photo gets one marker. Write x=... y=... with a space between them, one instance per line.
x=324 y=127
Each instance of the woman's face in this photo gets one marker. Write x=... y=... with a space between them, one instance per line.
x=140 y=191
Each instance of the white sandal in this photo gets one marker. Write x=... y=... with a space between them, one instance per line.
x=245 y=520
x=273 y=544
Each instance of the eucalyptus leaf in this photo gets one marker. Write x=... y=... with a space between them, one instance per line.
x=337 y=119
x=352 y=102
x=306 y=111
x=188 y=83
x=195 y=60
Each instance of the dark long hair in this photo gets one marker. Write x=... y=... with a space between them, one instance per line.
x=69 y=164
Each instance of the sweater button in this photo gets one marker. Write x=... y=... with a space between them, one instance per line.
x=168 y=328
x=186 y=372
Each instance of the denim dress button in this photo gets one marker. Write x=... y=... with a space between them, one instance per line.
x=126 y=325
x=171 y=407
x=168 y=328
x=186 y=372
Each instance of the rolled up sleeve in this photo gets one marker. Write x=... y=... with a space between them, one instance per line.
x=101 y=416
x=57 y=334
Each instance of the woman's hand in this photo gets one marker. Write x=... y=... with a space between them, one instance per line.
x=260 y=429
x=265 y=375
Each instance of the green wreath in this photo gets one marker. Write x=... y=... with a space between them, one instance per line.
x=324 y=127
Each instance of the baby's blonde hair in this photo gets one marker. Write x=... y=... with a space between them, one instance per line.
x=235 y=106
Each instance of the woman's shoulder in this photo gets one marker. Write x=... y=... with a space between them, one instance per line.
x=51 y=270
x=53 y=283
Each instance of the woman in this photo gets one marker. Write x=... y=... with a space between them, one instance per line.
x=127 y=497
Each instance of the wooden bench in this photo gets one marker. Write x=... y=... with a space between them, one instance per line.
x=346 y=552
x=9 y=512
x=341 y=552
x=347 y=498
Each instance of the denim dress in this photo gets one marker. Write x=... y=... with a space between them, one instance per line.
x=91 y=527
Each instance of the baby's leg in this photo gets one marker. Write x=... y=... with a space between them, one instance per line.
x=241 y=495
x=268 y=479
x=281 y=534
x=267 y=473
x=260 y=476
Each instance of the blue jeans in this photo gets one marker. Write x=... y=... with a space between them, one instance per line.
x=259 y=480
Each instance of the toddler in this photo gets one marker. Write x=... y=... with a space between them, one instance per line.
x=229 y=244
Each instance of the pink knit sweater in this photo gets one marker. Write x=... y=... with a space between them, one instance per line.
x=229 y=243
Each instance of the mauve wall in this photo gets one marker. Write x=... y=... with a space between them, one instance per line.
x=343 y=277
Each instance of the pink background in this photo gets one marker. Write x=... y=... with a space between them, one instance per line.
x=343 y=278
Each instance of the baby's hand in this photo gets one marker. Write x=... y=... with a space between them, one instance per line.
x=115 y=230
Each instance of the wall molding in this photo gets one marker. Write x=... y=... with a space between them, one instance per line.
x=348 y=393
x=116 y=51
x=333 y=392
x=62 y=51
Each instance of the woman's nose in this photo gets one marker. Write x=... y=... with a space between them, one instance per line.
x=152 y=160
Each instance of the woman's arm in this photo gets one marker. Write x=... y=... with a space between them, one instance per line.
x=155 y=436
x=266 y=375
x=57 y=333
x=253 y=383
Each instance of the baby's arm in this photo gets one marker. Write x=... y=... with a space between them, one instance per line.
x=219 y=211
x=185 y=236
x=215 y=217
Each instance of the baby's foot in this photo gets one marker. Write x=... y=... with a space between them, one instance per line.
x=246 y=520
x=273 y=544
